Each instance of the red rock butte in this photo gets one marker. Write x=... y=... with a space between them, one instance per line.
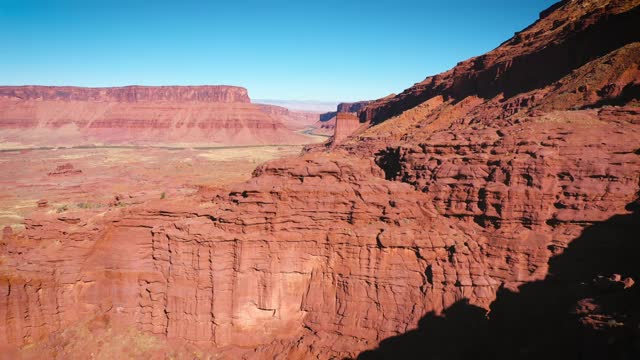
x=327 y=123
x=346 y=124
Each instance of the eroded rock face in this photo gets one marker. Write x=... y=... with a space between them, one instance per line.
x=217 y=94
x=352 y=107
x=345 y=125
x=326 y=125
x=322 y=243
x=281 y=260
x=297 y=120
x=533 y=59
x=449 y=207
x=201 y=116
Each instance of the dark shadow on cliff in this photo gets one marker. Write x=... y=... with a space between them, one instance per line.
x=327 y=116
x=579 y=42
x=629 y=93
x=581 y=310
x=389 y=161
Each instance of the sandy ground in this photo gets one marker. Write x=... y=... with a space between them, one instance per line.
x=133 y=174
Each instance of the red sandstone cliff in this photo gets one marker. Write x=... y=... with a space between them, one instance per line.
x=509 y=184
x=326 y=125
x=352 y=107
x=135 y=115
x=566 y=37
x=297 y=120
x=218 y=94
x=345 y=125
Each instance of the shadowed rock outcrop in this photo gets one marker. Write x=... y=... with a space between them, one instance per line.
x=569 y=35
x=586 y=308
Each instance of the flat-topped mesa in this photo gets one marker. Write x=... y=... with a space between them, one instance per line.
x=33 y=116
x=130 y=94
x=353 y=107
x=346 y=124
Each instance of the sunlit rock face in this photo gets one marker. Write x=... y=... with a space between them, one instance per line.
x=140 y=115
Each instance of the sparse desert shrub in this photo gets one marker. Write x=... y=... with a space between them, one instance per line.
x=87 y=205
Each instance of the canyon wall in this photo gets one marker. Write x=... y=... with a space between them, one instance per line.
x=352 y=107
x=34 y=116
x=297 y=120
x=559 y=42
x=459 y=198
x=217 y=94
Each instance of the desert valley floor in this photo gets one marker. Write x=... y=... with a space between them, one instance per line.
x=97 y=178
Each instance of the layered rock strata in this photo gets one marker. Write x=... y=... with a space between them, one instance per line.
x=167 y=115
x=346 y=124
x=217 y=94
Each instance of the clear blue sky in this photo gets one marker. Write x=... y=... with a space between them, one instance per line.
x=304 y=50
